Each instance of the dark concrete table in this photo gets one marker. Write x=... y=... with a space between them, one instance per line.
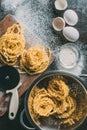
x=38 y=15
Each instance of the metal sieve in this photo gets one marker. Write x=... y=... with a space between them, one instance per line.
x=77 y=90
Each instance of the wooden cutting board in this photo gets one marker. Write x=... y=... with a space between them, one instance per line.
x=26 y=79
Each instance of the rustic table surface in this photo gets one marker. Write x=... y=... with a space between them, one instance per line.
x=38 y=15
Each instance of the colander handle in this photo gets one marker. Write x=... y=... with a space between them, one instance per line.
x=83 y=75
x=22 y=121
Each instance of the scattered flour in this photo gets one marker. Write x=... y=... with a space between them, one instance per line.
x=37 y=16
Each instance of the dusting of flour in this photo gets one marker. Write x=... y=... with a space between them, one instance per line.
x=36 y=16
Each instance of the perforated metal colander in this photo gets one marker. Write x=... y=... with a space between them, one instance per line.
x=77 y=91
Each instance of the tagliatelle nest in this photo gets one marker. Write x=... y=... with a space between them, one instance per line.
x=12 y=44
x=67 y=107
x=58 y=89
x=43 y=105
x=35 y=60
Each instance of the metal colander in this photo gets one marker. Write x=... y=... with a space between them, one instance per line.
x=77 y=91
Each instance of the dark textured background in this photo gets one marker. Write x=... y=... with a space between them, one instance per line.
x=38 y=17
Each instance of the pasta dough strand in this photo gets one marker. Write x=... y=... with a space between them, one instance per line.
x=12 y=44
x=35 y=60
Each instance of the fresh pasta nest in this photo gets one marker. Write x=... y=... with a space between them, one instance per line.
x=35 y=60
x=32 y=60
x=12 y=44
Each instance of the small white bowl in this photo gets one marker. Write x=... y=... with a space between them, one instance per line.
x=69 y=55
x=58 y=23
x=61 y=4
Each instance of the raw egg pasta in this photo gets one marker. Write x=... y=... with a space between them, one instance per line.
x=67 y=108
x=12 y=44
x=58 y=89
x=35 y=60
x=32 y=95
x=15 y=29
x=44 y=107
x=54 y=100
x=43 y=104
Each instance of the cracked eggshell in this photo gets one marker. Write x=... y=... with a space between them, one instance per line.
x=61 y=4
x=70 y=17
x=71 y=33
x=58 y=23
